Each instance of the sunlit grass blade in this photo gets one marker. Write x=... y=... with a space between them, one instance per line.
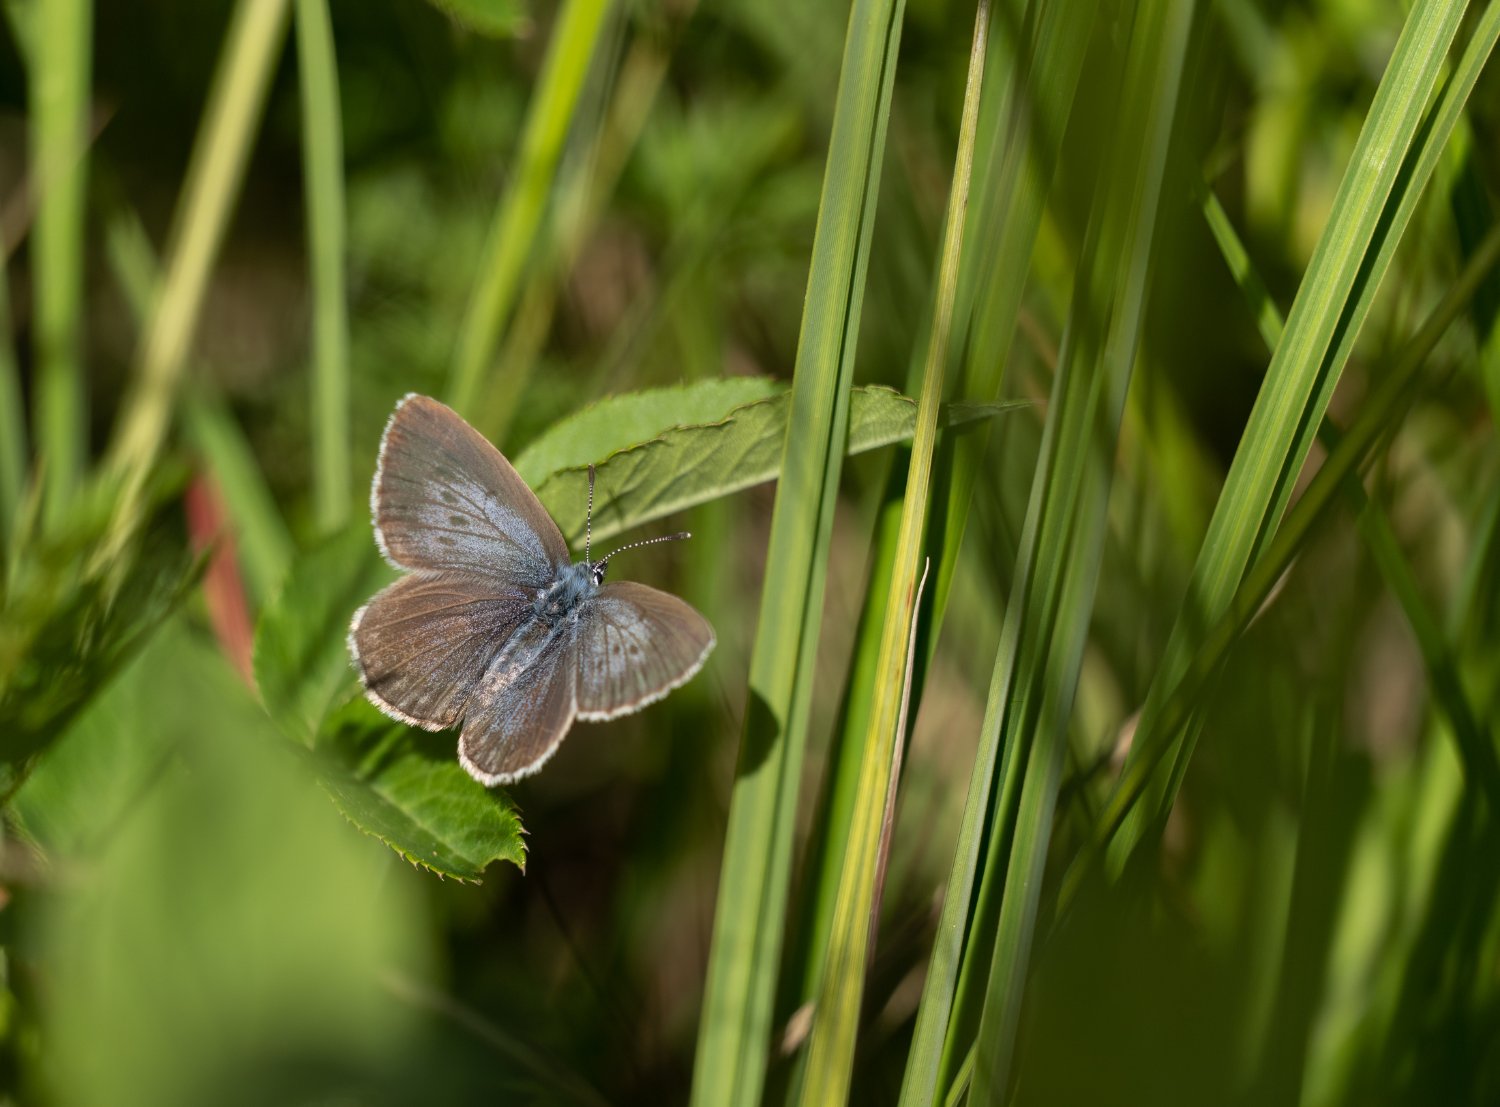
x=734 y=1032
x=1373 y=206
x=219 y=155
x=323 y=188
x=60 y=71
x=1039 y=98
x=1031 y=74
x=265 y=548
x=582 y=194
x=1375 y=525
x=835 y=1023
x=1373 y=425
x=518 y=219
x=1048 y=619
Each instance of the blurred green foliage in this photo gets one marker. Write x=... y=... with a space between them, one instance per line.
x=204 y=887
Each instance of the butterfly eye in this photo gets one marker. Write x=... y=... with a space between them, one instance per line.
x=599 y=570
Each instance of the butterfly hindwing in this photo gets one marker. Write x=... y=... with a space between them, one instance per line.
x=445 y=499
x=522 y=707
x=634 y=645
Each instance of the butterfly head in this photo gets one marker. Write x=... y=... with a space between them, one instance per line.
x=597 y=569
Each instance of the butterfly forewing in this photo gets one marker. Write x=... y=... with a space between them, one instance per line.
x=445 y=499
x=634 y=644
x=422 y=644
x=522 y=707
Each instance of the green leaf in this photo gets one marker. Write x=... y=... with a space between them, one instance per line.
x=302 y=664
x=495 y=18
x=689 y=465
x=400 y=785
x=619 y=422
x=405 y=787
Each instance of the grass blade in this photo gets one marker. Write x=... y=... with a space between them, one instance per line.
x=836 y=1015
x=12 y=427
x=1048 y=618
x=519 y=218
x=1374 y=204
x=582 y=195
x=1373 y=425
x=59 y=73
x=734 y=1032
x=1475 y=745
x=323 y=187
x=219 y=156
x=263 y=544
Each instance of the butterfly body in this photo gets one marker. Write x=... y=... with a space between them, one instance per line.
x=495 y=628
x=564 y=596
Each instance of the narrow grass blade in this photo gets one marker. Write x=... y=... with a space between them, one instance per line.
x=835 y=1025
x=264 y=546
x=1040 y=92
x=1373 y=206
x=1048 y=619
x=214 y=176
x=1475 y=745
x=13 y=453
x=323 y=187
x=59 y=72
x=1031 y=76
x=582 y=194
x=734 y=1032
x=519 y=217
x=1373 y=425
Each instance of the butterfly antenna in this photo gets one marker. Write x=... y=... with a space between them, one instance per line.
x=588 y=520
x=644 y=542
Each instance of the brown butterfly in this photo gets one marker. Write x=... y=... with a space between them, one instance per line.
x=495 y=628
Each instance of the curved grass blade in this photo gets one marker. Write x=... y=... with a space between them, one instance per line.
x=1371 y=211
x=588 y=182
x=1371 y=427
x=1475 y=745
x=263 y=544
x=220 y=152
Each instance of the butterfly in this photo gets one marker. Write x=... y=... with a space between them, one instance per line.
x=494 y=628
